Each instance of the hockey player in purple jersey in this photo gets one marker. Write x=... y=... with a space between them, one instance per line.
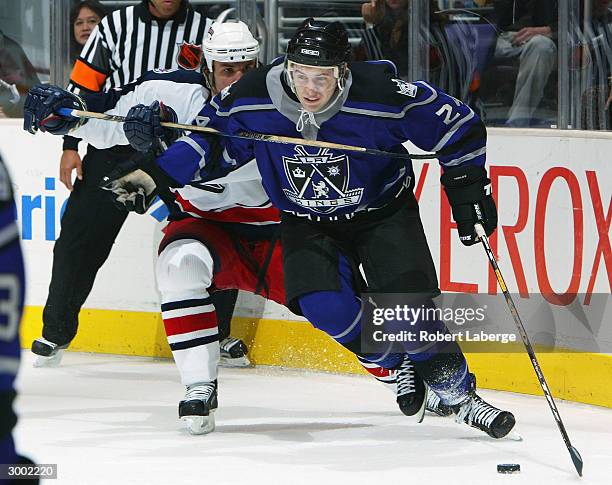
x=360 y=206
x=339 y=207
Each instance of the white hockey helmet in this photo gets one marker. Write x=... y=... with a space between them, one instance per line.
x=229 y=42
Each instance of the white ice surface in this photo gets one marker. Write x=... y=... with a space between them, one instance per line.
x=113 y=420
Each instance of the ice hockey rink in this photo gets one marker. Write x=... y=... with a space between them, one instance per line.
x=107 y=419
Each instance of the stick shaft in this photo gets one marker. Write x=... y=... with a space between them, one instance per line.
x=249 y=135
x=576 y=459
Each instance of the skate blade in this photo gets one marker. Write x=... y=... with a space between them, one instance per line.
x=513 y=436
x=53 y=361
x=198 y=425
x=237 y=362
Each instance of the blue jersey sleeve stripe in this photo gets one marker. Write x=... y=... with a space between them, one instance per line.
x=200 y=150
x=242 y=105
x=389 y=111
x=469 y=156
x=183 y=159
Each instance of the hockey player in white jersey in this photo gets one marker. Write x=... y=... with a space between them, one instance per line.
x=222 y=235
x=200 y=233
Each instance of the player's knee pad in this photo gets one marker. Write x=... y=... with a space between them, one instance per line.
x=185 y=268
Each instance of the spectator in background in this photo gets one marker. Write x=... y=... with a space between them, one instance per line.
x=17 y=76
x=84 y=16
x=386 y=33
x=592 y=54
x=528 y=29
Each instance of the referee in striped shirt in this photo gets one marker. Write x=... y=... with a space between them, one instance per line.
x=155 y=34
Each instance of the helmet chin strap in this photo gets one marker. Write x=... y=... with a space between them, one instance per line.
x=210 y=80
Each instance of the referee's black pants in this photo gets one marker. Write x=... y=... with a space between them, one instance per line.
x=90 y=225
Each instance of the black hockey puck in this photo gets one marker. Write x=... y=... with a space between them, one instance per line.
x=508 y=468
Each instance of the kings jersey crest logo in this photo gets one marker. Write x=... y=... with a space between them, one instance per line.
x=189 y=56
x=406 y=88
x=320 y=180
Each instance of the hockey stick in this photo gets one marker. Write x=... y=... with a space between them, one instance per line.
x=249 y=135
x=576 y=458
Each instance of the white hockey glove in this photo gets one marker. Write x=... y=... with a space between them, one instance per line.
x=134 y=191
x=137 y=181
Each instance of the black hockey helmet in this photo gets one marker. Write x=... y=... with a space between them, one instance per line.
x=319 y=43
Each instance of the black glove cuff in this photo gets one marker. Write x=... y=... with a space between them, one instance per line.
x=465 y=185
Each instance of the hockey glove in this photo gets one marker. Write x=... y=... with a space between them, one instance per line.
x=143 y=128
x=133 y=191
x=39 y=110
x=135 y=183
x=469 y=193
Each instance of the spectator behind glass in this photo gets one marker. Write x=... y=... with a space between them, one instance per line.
x=387 y=34
x=84 y=16
x=593 y=56
x=528 y=28
x=17 y=76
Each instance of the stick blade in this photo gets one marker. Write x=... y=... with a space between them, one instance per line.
x=577 y=459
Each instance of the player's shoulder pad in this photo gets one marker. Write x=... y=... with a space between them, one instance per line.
x=179 y=76
x=250 y=89
x=386 y=64
x=392 y=94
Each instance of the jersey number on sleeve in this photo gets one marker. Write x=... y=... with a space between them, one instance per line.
x=446 y=111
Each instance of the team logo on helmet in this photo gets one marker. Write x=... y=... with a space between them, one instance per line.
x=189 y=56
x=320 y=180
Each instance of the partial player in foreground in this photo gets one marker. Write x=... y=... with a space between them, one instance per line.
x=12 y=289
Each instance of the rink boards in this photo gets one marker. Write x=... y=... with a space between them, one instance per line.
x=553 y=189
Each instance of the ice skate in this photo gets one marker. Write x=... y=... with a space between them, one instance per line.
x=198 y=407
x=477 y=413
x=233 y=353
x=434 y=405
x=411 y=390
x=48 y=354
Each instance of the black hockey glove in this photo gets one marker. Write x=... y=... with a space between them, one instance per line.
x=469 y=193
x=136 y=182
x=143 y=129
x=40 y=105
